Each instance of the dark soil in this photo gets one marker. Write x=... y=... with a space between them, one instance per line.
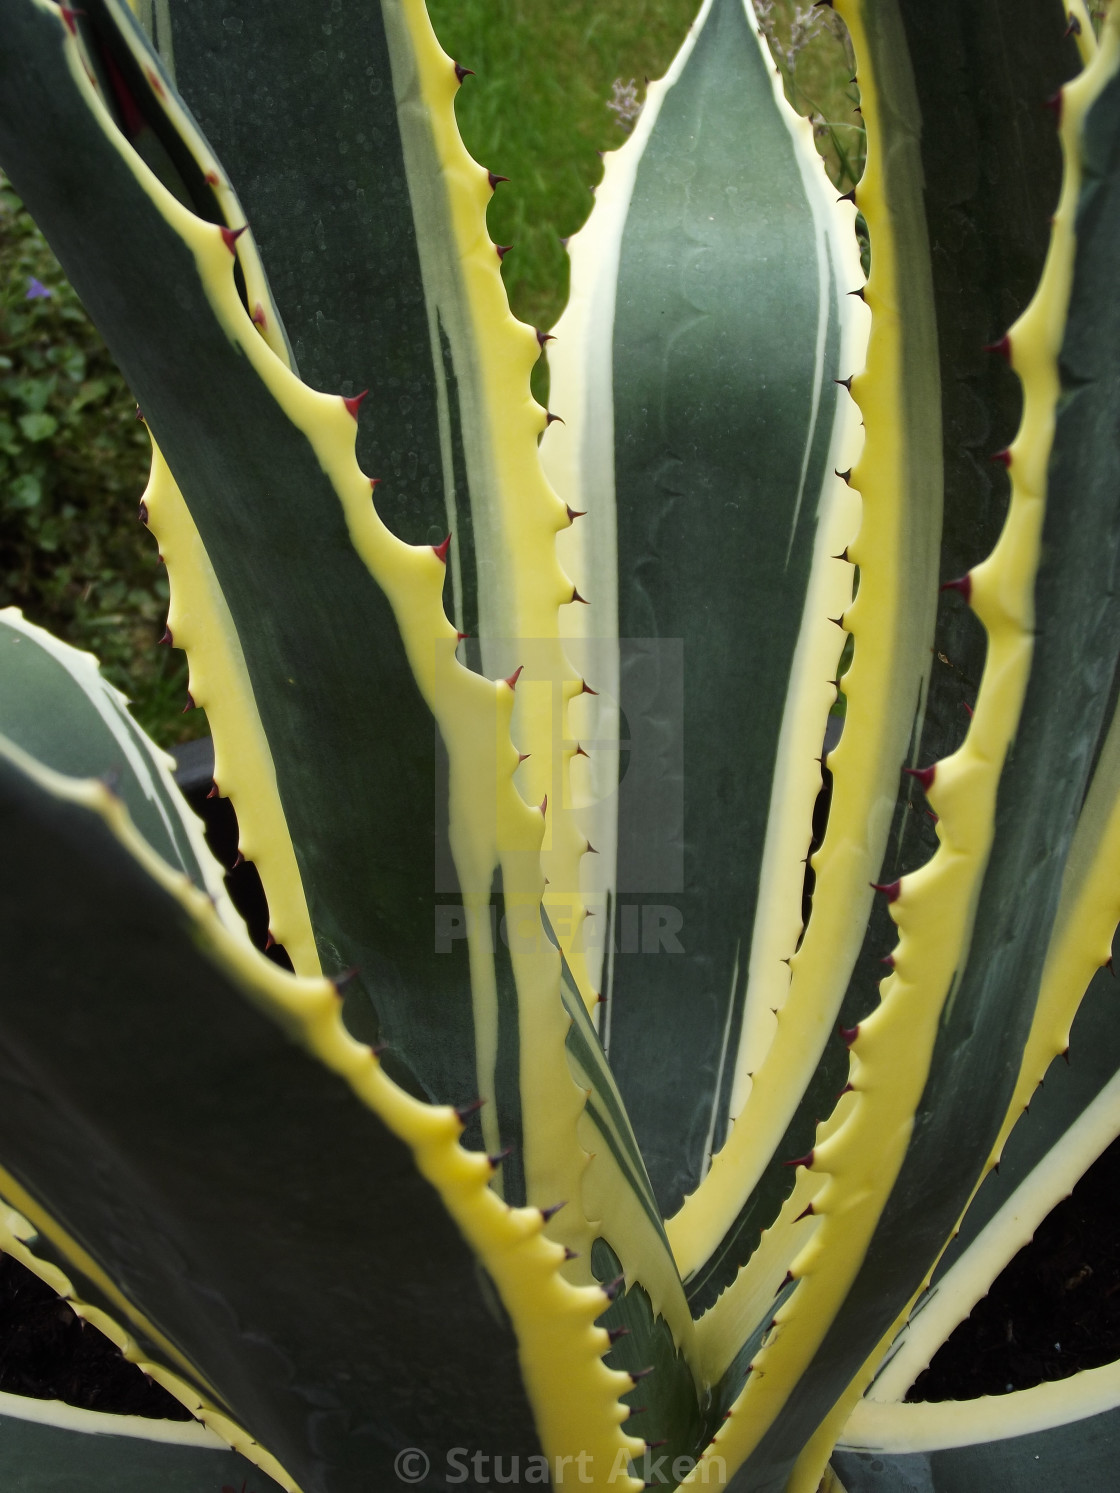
x=51 y=1354
x=1054 y=1311
x=243 y=881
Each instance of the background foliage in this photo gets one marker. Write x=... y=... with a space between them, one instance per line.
x=73 y=463
x=554 y=87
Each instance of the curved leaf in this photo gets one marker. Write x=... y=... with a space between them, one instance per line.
x=55 y=705
x=1073 y=1447
x=231 y=420
x=48 y=1447
x=1072 y=1117
x=942 y=1052
x=705 y=557
x=199 y=1149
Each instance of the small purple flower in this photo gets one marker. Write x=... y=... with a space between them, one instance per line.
x=625 y=103
x=36 y=290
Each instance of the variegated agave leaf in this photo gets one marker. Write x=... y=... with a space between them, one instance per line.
x=380 y=849
x=43 y=1442
x=698 y=370
x=915 y=405
x=55 y=706
x=684 y=602
x=262 y=512
x=229 y=1184
x=1064 y=351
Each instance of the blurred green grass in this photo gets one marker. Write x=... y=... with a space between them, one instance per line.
x=537 y=110
x=73 y=463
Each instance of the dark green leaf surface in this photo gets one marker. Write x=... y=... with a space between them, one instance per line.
x=1067 y=1091
x=979 y=1046
x=300 y=106
x=235 y=1189
x=35 y=1458
x=138 y=109
x=353 y=743
x=85 y=731
x=507 y=1065
x=991 y=168
x=990 y=163
x=716 y=518
x=604 y=1105
x=680 y=1422
x=1067 y=1459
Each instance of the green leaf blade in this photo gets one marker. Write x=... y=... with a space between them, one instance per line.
x=50 y=1448
x=1065 y=1459
x=227 y=1187
x=361 y=804
x=710 y=421
x=335 y=225
x=987 y=1015
x=55 y=706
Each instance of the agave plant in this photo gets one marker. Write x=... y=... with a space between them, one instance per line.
x=587 y=1139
